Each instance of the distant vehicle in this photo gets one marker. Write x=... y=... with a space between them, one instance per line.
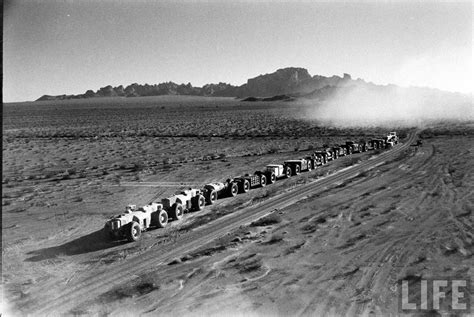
x=377 y=144
x=355 y=147
x=186 y=200
x=392 y=136
x=277 y=170
x=382 y=143
x=298 y=166
x=313 y=161
x=365 y=146
x=326 y=153
x=320 y=158
x=339 y=151
x=213 y=191
x=246 y=182
x=130 y=224
x=391 y=139
x=273 y=172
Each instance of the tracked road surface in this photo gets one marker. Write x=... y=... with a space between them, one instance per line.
x=63 y=298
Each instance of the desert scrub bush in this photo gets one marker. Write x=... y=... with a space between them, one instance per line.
x=267 y=220
x=351 y=161
x=182 y=159
x=275 y=238
x=71 y=171
x=273 y=150
x=136 y=167
x=77 y=199
x=362 y=174
x=317 y=174
x=167 y=161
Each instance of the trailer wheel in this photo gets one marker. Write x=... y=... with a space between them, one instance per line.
x=177 y=211
x=162 y=220
x=263 y=180
x=211 y=199
x=244 y=186
x=199 y=202
x=297 y=169
x=233 y=189
x=133 y=232
x=272 y=178
x=287 y=171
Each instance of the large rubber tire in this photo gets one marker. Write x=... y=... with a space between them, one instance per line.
x=162 y=219
x=199 y=202
x=233 y=189
x=177 y=211
x=271 y=179
x=310 y=166
x=244 y=186
x=133 y=231
x=211 y=199
x=263 y=180
x=287 y=171
x=297 y=169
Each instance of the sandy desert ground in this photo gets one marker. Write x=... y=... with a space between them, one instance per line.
x=334 y=241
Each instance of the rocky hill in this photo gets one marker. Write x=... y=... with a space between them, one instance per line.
x=137 y=90
x=288 y=81
x=291 y=82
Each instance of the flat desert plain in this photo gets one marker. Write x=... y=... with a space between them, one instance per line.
x=333 y=241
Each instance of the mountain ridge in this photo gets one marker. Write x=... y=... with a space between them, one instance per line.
x=290 y=81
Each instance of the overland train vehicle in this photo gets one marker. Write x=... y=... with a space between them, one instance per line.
x=130 y=224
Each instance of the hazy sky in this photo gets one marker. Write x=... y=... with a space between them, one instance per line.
x=66 y=47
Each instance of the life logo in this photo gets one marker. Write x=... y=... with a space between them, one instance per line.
x=434 y=294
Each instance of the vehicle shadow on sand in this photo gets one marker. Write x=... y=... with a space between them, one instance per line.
x=94 y=241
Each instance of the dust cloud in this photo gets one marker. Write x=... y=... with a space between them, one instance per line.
x=373 y=105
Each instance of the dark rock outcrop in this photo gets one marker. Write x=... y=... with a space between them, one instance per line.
x=252 y=99
x=283 y=81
